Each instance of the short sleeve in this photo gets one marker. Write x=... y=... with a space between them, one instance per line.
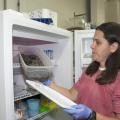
x=77 y=84
x=116 y=97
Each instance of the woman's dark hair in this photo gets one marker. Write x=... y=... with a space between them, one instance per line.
x=111 y=32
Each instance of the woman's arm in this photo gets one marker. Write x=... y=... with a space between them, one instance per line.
x=70 y=93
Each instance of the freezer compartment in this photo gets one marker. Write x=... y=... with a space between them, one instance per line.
x=33 y=108
x=35 y=63
x=27 y=108
x=56 y=55
x=22 y=94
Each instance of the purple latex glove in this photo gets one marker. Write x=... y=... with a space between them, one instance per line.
x=46 y=82
x=79 y=111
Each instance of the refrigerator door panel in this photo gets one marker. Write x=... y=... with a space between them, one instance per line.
x=82 y=42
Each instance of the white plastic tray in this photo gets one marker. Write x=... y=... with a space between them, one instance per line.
x=53 y=95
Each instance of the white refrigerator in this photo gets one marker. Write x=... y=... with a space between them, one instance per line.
x=82 y=51
x=19 y=33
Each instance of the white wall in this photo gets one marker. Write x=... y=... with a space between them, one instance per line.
x=113 y=10
x=98 y=10
x=101 y=10
x=64 y=8
x=11 y=4
x=105 y=11
x=1 y=4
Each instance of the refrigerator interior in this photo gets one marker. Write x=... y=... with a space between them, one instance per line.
x=22 y=92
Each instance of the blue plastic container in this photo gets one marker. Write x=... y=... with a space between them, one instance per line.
x=33 y=107
x=44 y=20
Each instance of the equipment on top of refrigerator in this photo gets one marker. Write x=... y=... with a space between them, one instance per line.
x=82 y=51
x=19 y=33
x=43 y=15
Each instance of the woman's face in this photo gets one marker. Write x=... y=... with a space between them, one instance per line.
x=101 y=49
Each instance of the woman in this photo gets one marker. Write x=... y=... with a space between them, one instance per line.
x=97 y=93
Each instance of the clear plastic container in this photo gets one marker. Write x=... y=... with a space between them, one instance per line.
x=36 y=72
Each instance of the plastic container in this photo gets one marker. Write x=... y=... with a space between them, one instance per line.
x=20 y=110
x=36 y=72
x=33 y=106
x=44 y=20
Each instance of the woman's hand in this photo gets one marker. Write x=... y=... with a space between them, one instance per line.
x=79 y=111
x=46 y=82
